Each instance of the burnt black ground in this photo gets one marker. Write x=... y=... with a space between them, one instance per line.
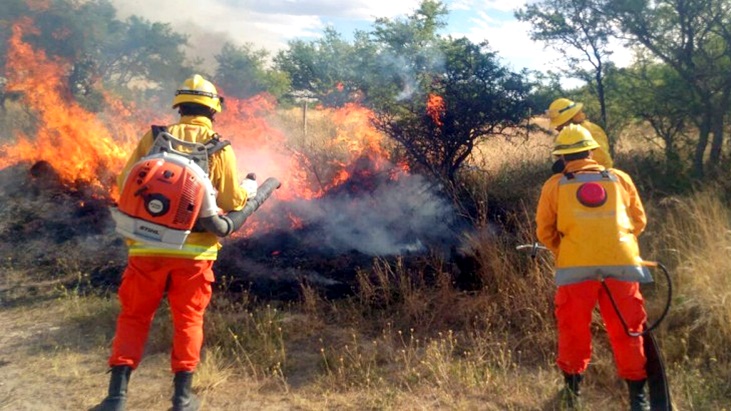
x=60 y=232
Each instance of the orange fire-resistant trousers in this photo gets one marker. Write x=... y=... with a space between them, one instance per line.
x=574 y=304
x=144 y=282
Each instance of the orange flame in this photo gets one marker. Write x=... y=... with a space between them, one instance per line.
x=92 y=148
x=75 y=142
x=435 y=108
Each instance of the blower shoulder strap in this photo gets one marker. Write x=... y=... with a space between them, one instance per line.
x=213 y=146
x=216 y=144
x=157 y=130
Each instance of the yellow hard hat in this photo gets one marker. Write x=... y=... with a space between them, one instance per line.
x=573 y=139
x=199 y=91
x=562 y=110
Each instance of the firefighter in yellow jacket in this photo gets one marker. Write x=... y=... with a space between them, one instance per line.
x=185 y=274
x=563 y=111
x=590 y=217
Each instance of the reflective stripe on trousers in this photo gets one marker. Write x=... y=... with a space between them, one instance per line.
x=630 y=273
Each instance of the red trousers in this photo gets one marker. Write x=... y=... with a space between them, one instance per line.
x=144 y=282
x=574 y=304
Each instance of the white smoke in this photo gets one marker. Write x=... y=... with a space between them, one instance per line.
x=402 y=216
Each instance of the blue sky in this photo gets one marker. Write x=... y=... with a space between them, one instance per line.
x=269 y=24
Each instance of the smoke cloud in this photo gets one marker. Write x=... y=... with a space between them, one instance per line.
x=402 y=216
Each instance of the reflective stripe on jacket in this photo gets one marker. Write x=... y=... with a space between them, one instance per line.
x=591 y=243
x=224 y=177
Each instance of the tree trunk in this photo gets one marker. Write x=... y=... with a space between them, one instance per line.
x=603 y=107
x=717 y=142
x=719 y=115
x=700 y=148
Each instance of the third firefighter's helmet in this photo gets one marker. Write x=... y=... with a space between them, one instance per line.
x=199 y=91
x=562 y=110
x=573 y=139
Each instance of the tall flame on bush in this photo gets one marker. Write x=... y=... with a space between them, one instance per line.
x=74 y=141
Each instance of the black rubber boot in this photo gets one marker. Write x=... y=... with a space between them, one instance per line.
x=637 y=398
x=183 y=398
x=117 y=395
x=571 y=394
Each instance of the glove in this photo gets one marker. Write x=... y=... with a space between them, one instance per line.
x=249 y=185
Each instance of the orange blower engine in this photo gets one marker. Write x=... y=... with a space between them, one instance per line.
x=166 y=192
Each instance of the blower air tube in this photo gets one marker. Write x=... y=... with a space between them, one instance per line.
x=224 y=225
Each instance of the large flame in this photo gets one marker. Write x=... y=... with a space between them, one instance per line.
x=78 y=145
x=91 y=148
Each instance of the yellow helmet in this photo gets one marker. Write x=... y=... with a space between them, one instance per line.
x=199 y=91
x=562 y=110
x=573 y=139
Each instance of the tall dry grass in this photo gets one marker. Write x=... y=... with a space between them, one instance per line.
x=694 y=236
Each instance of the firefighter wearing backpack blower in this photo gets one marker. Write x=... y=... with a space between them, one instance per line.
x=590 y=217
x=184 y=272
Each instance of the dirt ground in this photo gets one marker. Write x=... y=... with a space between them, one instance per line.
x=39 y=372
x=50 y=363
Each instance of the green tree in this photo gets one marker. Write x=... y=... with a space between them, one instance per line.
x=242 y=72
x=320 y=67
x=472 y=98
x=325 y=68
x=139 y=52
x=570 y=26
x=135 y=54
x=75 y=32
x=406 y=54
x=377 y=67
x=653 y=92
x=693 y=37
x=546 y=87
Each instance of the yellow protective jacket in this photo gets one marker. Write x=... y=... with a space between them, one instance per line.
x=592 y=242
x=601 y=155
x=224 y=177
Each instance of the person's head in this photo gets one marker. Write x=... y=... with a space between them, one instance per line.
x=197 y=97
x=574 y=142
x=564 y=111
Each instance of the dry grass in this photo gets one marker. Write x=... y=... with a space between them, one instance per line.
x=695 y=239
x=517 y=147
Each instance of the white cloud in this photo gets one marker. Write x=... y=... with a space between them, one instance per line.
x=503 y=5
x=461 y=5
x=266 y=24
x=510 y=38
x=270 y=24
x=352 y=9
x=500 y=5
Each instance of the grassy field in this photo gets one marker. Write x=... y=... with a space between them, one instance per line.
x=406 y=340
